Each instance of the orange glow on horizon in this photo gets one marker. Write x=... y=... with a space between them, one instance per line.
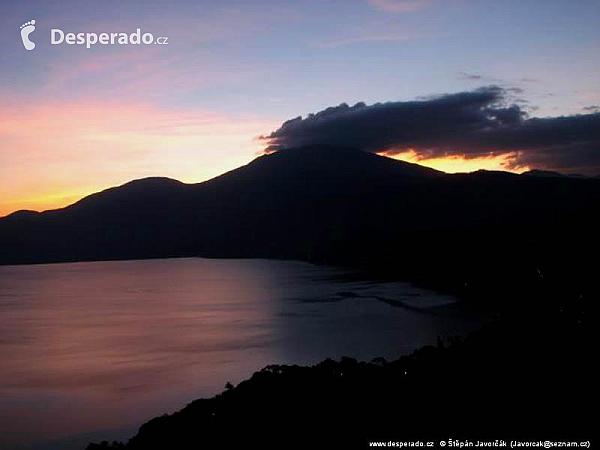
x=51 y=200
x=63 y=151
x=460 y=164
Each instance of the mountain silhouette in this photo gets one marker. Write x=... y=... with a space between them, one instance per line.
x=330 y=205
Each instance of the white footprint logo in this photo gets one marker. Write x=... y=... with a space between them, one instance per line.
x=26 y=30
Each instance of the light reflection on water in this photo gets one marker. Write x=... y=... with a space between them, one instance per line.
x=104 y=346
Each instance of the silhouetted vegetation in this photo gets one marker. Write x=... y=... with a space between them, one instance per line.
x=522 y=376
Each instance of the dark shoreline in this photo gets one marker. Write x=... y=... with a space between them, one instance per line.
x=526 y=376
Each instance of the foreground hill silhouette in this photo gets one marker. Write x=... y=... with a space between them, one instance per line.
x=464 y=232
x=528 y=378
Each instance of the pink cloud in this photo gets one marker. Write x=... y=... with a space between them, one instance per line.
x=115 y=71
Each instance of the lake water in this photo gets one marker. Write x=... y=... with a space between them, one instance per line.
x=89 y=351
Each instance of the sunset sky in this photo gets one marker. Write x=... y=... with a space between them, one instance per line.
x=75 y=120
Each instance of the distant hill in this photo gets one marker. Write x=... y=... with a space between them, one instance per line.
x=550 y=173
x=329 y=205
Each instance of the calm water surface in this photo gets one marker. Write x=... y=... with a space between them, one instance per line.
x=89 y=351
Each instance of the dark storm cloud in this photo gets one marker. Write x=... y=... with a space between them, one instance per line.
x=469 y=124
